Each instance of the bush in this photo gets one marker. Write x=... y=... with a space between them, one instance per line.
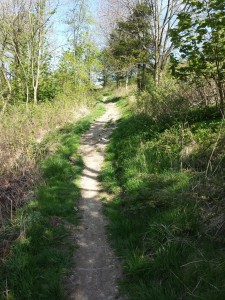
x=164 y=100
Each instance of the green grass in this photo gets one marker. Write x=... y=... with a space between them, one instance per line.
x=161 y=214
x=41 y=256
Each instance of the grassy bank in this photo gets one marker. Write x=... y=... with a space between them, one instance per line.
x=167 y=215
x=35 y=265
x=22 y=130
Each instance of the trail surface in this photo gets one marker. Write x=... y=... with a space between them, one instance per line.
x=96 y=268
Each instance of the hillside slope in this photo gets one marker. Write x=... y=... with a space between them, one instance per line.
x=167 y=216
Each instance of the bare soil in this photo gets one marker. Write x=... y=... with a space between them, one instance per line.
x=96 y=269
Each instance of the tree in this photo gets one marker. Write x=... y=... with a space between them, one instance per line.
x=12 y=27
x=162 y=19
x=200 y=39
x=38 y=19
x=80 y=61
x=111 y=12
x=106 y=67
x=131 y=45
x=23 y=27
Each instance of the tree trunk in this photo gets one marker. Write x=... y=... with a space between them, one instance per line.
x=118 y=80
x=143 y=77
x=157 y=73
x=35 y=95
x=139 y=77
x=127 y=80
x=8 y=98
x=105 y=80
x=221 y=93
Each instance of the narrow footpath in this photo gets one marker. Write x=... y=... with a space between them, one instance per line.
x=96 y=268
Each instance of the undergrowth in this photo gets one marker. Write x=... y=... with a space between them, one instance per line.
x=167 y=215
x=22 y=130
x=39 y=259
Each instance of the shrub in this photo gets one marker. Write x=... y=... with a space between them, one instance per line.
x=164 y=100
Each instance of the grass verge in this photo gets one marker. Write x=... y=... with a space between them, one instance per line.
x=40 y=257
x=167 y=216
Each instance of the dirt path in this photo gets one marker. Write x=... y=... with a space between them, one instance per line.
x=96 y=268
